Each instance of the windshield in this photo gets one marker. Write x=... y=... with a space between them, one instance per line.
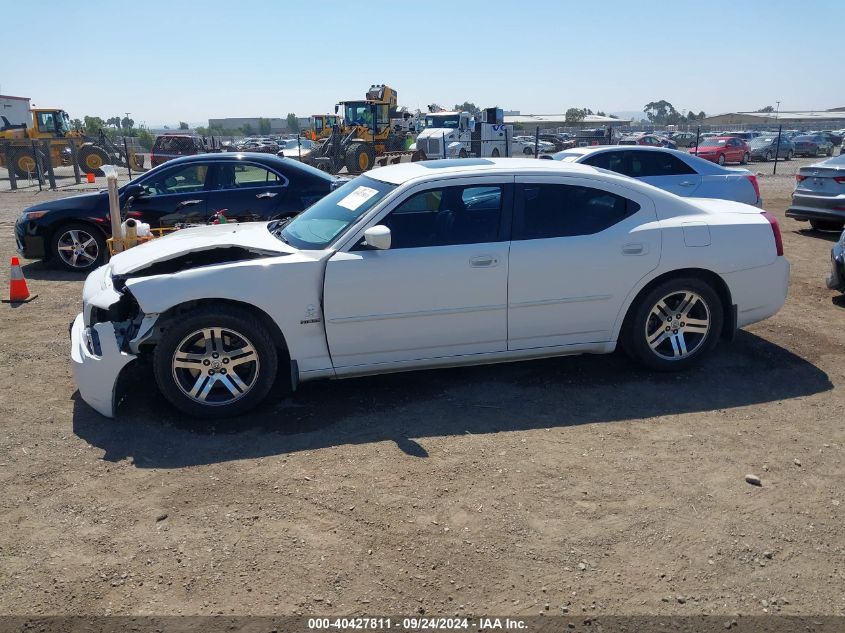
x=443 y=120
x=328 y=218
x=761 y=140
x=712 y=142
x=64 y=123
x=358 y=113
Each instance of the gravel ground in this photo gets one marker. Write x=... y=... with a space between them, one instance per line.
x=583 y=483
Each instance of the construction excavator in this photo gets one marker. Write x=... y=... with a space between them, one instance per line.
x=321 y=127
x=53 y=126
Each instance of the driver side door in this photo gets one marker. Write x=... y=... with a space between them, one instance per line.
x=174 y=196
x=439 y=291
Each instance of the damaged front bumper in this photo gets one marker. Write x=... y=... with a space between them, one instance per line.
x=97 y=361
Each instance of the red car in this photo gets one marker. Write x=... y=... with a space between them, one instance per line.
x=723 y=149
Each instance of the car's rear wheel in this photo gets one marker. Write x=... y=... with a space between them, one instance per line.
x=215 y=362
x=789 y=155
x=767 y=157
x=721 y=159
x=77 y=247
x=674 y=325
x=830 y=151
x=827 y=225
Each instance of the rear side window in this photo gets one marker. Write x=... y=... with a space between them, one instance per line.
x=645 y=164
x=550 y=210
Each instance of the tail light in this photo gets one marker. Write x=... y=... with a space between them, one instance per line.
x=840 y=180
x=799 y=177
x=773 y=222
x=753 y=180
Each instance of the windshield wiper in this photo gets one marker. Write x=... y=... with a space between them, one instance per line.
x=275 y=227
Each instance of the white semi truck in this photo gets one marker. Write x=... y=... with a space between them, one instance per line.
x=460 y=135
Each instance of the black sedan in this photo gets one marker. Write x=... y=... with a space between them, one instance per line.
x=244 y=187
x=819 y=195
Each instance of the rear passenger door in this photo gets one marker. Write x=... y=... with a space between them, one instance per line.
x=578 y=247
x=663 y=170
x=247 y=192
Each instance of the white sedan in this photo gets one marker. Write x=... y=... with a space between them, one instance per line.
x=679 y=172
x=423 y=265
x=295 y=148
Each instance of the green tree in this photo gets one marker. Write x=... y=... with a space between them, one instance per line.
x=468 y=106
x=145 y=138
x=92 y=125
x=293 y=123
x=246 y=129
x=76 y=124
x=263 y=126
x=126 y=123
x=202 y=131
x=766 y=109
x=183 y=126
x=574 y=115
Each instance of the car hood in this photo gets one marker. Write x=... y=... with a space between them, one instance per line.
x=84 y=201
x=250 y=238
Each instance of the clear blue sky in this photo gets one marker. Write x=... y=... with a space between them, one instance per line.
x=185 y=60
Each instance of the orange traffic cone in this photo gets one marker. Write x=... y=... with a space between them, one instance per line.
x=18 y=292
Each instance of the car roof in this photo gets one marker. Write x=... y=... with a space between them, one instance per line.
x=434 y=169
x=271 y=160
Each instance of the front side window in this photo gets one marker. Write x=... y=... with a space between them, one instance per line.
x=550 y=210
x=46 y=122
x=446 y=216
x=188 y=179
x=645 y=164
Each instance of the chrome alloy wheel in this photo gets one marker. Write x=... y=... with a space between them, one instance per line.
x=677 y=325
x=215 y=366
x=78 y=249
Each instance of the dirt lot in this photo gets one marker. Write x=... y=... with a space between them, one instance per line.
x=582 y=483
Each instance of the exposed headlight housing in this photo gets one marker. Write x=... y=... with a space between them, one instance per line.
x=33 y=215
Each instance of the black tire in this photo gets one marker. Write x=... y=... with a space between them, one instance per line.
x=360 y=157
x=827 y=225
x=495 y=153
x=789 y=155
x=462 y=153
x=91 y=158
x=24 y=163
x=767 y=157
x=77 y=247
x=641 y=322
x=527 y=151
x=830 y=152
x=240 y=327
x=745 y=158
x=721 y=160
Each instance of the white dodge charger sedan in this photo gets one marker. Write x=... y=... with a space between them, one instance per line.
x=430 y=264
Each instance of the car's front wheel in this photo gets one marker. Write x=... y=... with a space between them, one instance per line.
x=745 y=158
x=674 y=325
x=721 y=159
x=78 y=247
x=215 y=362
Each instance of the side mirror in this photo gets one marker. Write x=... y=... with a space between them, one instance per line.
x=134 y=190
x=377 y=237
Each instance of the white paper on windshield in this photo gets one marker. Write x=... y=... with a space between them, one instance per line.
x=357 y=198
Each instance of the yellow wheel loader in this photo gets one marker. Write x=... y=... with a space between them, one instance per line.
x=52 y=126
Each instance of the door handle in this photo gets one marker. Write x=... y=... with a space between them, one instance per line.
x=483 y=261
x=266 y=194
x=187 y=203
x=686 y=183
x=634 y=249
